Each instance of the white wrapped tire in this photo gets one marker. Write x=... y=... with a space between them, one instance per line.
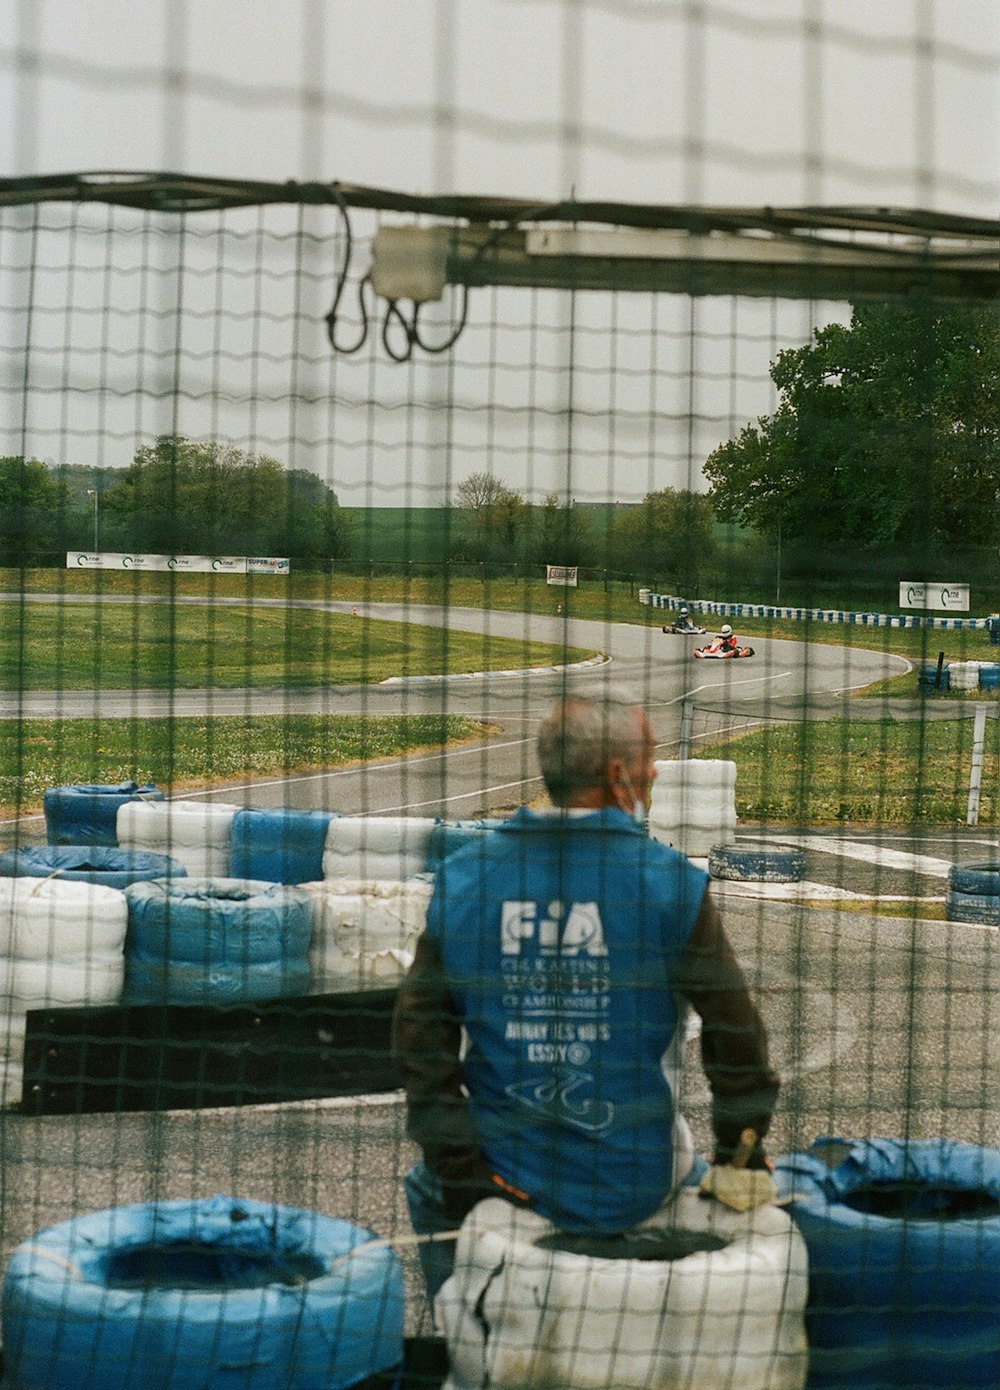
x=377 y=847
x=48 y=984
x=516 y=1314
x=58 y=920
x=365 y=932
x=198 y=833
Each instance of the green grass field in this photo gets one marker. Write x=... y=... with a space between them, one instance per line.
x=169 y=646
x=886 y=772
x=182 y=753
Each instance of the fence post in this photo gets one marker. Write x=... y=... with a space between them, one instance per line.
x=687 y=728
x=976 y=770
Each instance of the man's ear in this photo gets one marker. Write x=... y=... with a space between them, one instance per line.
x=616 y=779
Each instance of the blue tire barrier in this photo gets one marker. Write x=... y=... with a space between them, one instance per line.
x=86 y=814
x=904 y=1246
x=927 y=678
x=448 y=837
x=198 y=940
x=756 y=865
x=977 y=876
x=982 y=909
x=989 y=676
x=205 y=1295
x=108 y=865
x=281 y=846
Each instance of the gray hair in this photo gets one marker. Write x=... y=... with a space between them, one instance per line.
x=579 y=737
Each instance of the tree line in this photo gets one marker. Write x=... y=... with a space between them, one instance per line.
x=883 y=452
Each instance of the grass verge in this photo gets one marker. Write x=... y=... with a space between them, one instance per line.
x=882 y=772
x=181 y=753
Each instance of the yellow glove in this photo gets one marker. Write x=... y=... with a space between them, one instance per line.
x=742 y=1189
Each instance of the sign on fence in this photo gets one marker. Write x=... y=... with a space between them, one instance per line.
x=561 y=574
x=954 y=597
x=181 y=564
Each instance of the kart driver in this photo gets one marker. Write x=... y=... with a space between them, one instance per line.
x=726 y=640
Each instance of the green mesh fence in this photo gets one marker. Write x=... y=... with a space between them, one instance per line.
x=317 y=491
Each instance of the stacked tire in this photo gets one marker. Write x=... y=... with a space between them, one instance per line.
x=198 y=833
x=61 y=945
x=87 y=813
x=202 y=1295
x=376 y=847
x=216 y=941
x=974 y=893
x=726 y=1307
x=904 y=1244
x=283 y=846
x=365 y=933
x=112 y=867
x=756 y=865
x=693 y=805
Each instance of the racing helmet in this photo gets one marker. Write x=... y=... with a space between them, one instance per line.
x=683 y=613
x=727 y=631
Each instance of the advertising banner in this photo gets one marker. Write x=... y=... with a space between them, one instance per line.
x=561 y=574
x=953 y=597
x=180 y=564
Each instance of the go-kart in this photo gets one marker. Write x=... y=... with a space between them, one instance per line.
x=690 y=630
x=716 y=652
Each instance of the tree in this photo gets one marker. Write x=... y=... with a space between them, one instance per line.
x=495 y=516
x=32 y=511
x=669 y=534
x=562 y=534
x=180 y=496
x=887 y=434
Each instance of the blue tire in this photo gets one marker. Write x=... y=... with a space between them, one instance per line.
x=153 y=980
x=219 y=921
x=980 y=876
x=205 y=1295
x=756 y=865
x=904 y=1245
x=108 y=865
x=979 y=908
x=87 y=814
x=282 y=846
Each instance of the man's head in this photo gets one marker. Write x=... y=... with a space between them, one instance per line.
x=596 y=753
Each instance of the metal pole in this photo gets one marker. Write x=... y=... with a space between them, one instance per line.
x=92 y=492
x=687 y=728
x=976 y=771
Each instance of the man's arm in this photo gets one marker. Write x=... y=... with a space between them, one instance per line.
x=733 y=1037
x=426 y=1040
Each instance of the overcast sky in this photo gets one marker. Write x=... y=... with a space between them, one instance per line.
x=890 y=103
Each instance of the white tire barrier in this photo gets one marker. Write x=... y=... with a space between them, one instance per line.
x=377 y=847
x=61 y=944
x=86 y=814
x=693 y=804
x=199 y=1296
x=964 y=675
x=220 y=940
x=756 y=865
x=519 y=1310
x=50 y=920
x=365 y=933
x=904 y=1246
x=198 y=833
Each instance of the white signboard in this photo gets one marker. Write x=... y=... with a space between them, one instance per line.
x=953 y=597
x=561 y=574
x=182 y=564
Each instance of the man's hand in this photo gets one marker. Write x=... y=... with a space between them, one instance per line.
x=738 y=1185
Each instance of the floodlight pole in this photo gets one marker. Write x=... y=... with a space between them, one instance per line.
x=92 y=492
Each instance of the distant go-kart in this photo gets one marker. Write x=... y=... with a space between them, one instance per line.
x=685 y=629
x=716 y=652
